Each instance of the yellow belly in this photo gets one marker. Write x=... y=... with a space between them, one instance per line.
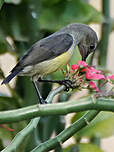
x=48 y=66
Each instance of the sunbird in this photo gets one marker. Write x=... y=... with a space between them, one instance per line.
x=51 y=53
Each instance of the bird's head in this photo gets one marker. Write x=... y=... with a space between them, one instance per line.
x=85 y=37
x=88 y=43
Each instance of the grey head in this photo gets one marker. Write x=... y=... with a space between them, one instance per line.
x=84 y=36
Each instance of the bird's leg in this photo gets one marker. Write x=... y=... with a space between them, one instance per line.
x=42 y=101
x=67 y=83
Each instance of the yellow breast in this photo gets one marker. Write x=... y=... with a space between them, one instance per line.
x=48 y=66
x=53 y=65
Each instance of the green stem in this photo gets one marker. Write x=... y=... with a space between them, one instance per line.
x=67 y=133
x=56 y=109
x=31 y=126
x=106 y=28
x=21 y=136
x=1 y=3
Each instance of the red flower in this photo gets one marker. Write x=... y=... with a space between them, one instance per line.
x=92 y=69
x=93 y=86
x=75 y=67
x=90 y=75
x=80 y=63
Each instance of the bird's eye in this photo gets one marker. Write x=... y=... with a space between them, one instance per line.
x=92 y=47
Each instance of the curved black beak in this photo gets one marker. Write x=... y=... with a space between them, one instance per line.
x=84 y=57
x=83 y=51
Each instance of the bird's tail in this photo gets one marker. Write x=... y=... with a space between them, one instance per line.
x=11 y=76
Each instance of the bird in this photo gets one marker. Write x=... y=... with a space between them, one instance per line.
x=51 y=53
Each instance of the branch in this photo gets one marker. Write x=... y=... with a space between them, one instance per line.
x=49 y=109
x=67 y=133
x=30 y=112
x=31 y=126
x=18 y=139
x=54 y=92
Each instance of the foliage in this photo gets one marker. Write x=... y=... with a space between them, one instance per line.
x=22 y=22
x=83 y=148
x=101 y=126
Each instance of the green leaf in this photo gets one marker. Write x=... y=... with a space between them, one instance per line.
x=102 y=126
x=89 y=147
x=4 y=46
x=77 y=116
x=1 y=74
x=5 y=134
x=46 y=127
x=7 y=103
x=21 y=19
x=83 y=147
x=1 y=3
x=50 y=3
x=1 y=145
x=75 y=57
x=13 y=1
x=53 y=17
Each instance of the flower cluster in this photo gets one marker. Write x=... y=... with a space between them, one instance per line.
x=86 y=75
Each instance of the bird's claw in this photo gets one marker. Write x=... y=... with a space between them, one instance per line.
x=67 y=83
x=42 y=101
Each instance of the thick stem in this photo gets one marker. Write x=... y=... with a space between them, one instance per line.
x=106 y=28
x=56 y=109
x=67 y=133
x=21 y=136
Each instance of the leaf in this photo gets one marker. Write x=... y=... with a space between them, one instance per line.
x=89 y=147
x=4 y=46
x=1 y=3
x=1 y=74
x=75 y=57
x=102 y=126
x=5 y=134
x=46 y=127
x=21 y=19
x=83 y=147
x=53 y=17
x=7 y=103
x=50 y=3
x=13 y=1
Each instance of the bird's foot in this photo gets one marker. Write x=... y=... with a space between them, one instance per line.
x=67 y=83
x=42 y=101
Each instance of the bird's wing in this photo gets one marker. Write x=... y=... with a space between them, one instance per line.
x=46 y=49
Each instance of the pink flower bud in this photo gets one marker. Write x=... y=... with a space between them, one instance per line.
x=111 y=77
x=83 y=63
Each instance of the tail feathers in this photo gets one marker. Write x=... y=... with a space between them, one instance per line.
x=10 y=77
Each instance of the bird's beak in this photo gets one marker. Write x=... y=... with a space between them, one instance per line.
x=83 y=59
x=83 y=51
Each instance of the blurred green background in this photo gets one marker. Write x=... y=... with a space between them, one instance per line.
x=23 y=22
